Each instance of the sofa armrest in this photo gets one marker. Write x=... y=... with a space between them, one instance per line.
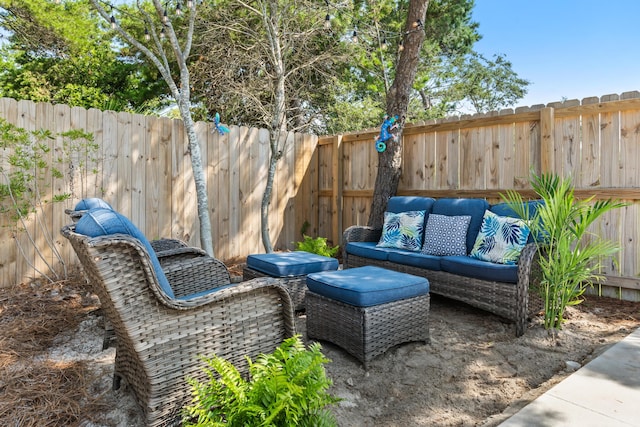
x=529 y=275
x=361 y=233
x=358 y=233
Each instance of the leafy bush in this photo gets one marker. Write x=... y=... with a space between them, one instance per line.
x=570 y=256
x=286 y=388
x=317 y=245
x=38 y=168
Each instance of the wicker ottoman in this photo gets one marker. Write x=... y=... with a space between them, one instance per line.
x=291 y=267
x=367 y=310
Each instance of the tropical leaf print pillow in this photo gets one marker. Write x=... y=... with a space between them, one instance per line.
x=402 y=230
x=501 y=239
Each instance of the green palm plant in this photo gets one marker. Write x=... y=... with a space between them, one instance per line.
x=287 y=387
x=570 y=255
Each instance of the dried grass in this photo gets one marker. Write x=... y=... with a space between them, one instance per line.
x=35 y=391
x=48 y=393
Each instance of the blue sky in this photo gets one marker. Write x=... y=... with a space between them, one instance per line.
x=569 y=49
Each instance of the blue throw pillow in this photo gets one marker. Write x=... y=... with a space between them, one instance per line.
x=446 y=235
x=402 y=230
x=462 y=206
x=501 y=239
x=103 y=222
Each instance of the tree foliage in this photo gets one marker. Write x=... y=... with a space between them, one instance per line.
x=268 y=63
x=61 y=53
x=450 y=75
x=244 y=50
x=27 y=164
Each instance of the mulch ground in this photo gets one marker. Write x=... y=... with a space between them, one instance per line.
x=35 y=391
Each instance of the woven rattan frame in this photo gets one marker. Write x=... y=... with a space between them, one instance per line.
x=159 y=339
x=366 y=332
x=296 y=285
x=517 y=302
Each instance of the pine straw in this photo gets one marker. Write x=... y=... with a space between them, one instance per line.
x=47 y=393
x=35 y=391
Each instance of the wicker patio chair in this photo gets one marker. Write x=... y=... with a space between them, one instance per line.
x=159 y=337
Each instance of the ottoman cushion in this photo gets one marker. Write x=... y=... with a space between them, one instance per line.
x=284 y=264
x=367 y=286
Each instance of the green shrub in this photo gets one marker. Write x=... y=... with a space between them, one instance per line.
x=317 y=245
x=286 y=388
x=570 y=256
x=39 y=168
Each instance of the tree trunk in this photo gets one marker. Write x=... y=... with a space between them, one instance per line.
x=390 y=161
x=199 y=178
x=266 y=202
x=278 y=127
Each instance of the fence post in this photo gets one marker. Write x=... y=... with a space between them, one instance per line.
x=337 y=177
x=547 y=140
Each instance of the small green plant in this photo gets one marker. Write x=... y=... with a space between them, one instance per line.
x=286 y=388
x=317 y=245
x=570 y=256
x=34 y=173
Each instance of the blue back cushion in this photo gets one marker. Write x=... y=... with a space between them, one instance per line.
x=92 y=203
x=103 y=222
x=473 y=207
x=399 y=204
x=504 y=209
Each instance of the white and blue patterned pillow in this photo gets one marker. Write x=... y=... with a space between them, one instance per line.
x=446 y=235
x=501 y=239
x=402 y=230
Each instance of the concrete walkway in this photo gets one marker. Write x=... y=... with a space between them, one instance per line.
x=603 y=393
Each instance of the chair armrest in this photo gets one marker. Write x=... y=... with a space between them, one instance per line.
x=244 y=301
x=196 y=274
x=166 y=244
x=169 y=257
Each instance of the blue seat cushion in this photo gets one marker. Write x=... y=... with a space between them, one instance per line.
x=371 y=250
x=416 y=259
x=478 y=269
x=367 y=286
x=104 y=222
x=91 y=203
x=455 y=207
x=286 y=264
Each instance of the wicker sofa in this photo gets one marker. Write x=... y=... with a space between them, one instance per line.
x=502 y=289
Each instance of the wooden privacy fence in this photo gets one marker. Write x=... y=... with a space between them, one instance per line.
x=144 y=170
x=596 y=142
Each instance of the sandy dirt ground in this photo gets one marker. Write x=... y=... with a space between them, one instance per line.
x=474 y=372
